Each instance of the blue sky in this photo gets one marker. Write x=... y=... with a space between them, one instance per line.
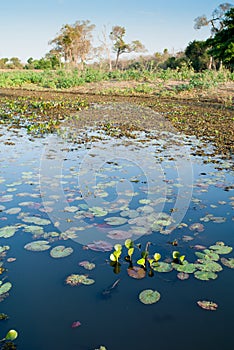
x=26 y=26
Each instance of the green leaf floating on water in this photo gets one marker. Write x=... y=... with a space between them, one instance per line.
x=205 y=275
x=209 y=265
x=208 y=255
x=161 y=266
x=37 y=246
x=8 y=231
x=4 y=288
x=60 y=251
x=149 y=296
x=35 y=220
x=76 y=280
x=98 y=211
x=115 y=220
x=228 y=262
x=185 y=267
x=221 y=248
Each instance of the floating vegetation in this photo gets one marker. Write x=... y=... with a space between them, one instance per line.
x=136 y=272
x=162 y=266
x=100 y=246
x=5 y=287
x=36 y=220
x=8 y=231
x=149 y=296
x=3 y=316
x=205 y=275
x=76 y=324
x=182 y=276
x=87 y=265
x=61 y=251
x=228 y=262
x=197 y=227
x=207 y=305
x=221 y=248
x=116 y=221
x=37 y=246
x=76 y=280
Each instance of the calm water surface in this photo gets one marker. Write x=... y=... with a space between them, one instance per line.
x=63 y=181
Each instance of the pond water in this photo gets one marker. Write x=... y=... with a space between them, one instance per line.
x=89 y=189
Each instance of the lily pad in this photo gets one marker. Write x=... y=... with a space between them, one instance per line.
x=100 y=246
x=162 y=266
x=209 y=265
x=98 y=211
x=197 y=227
x=37 y=246
x=185 y=267
x=119 y=234
x=61 y=251
x=149 y=296
x=228 y=262
x=76 y=280
x=207 y=305
x=4 y=288
x=88 y=281
x=87 y=265
x=116 y=221
x=136 y=272
x=183 y=276
x=207 y=254
x=35 y=220
x=13 y=211
x=8 y=231
x=221 y=248
x=205 y=275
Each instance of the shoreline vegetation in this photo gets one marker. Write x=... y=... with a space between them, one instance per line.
x=199 y=104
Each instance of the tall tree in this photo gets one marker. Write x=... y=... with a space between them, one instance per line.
x=197 y=53
x=215 y=22
x=222 y=44
x=120 y=46
x=74 y=42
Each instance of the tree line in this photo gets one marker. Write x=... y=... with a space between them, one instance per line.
x=72 y=47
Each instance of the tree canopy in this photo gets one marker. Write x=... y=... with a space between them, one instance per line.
x=222 y=44
x=73 y=42
x=120 y=46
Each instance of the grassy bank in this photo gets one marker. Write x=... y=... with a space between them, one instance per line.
x=67 y=79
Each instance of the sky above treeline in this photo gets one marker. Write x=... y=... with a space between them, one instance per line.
x=26 y=26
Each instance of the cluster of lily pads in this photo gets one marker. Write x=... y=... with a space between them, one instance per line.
x=204 y=268
x=5 y=287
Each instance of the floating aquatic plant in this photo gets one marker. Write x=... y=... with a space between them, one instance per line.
x=207 y=305
x=205 y=275
x=117 y=253
x=228 y=262
x=221 y=248
x=8 y=231
x=87 y=265
x=177 y=257
x=5 y=287
x=76 y=280
x=61 y=251
x=136 y=272
x=149 y=296
x=37 y=246
x=116 y=220
x=100 y=246
x=161 y=266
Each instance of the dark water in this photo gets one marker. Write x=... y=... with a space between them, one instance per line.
x=114 y=175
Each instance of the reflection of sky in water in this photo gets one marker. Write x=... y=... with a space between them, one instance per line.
x=47 y=176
